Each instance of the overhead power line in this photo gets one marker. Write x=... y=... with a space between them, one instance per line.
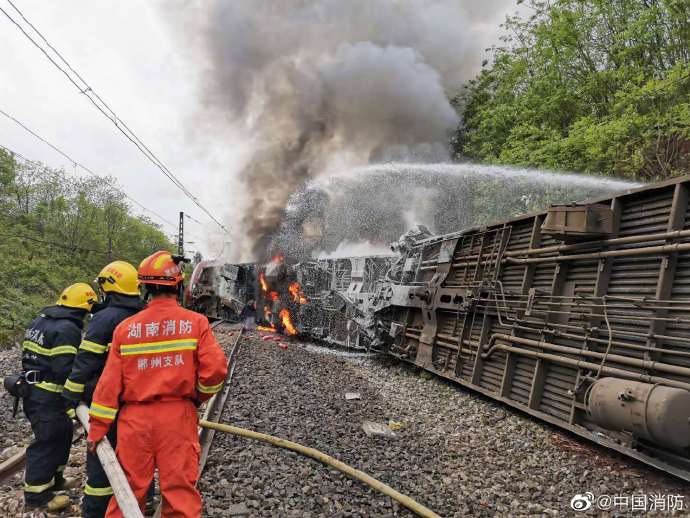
x=143 y=207
x=193 y=219
x=78 y=81
x=45 y=168
x=75 y=163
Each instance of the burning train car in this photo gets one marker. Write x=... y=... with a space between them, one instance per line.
x=579 y=316
x=327 y=299
x=275 y=303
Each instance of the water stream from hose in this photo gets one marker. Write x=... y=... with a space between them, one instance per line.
x=359 y=211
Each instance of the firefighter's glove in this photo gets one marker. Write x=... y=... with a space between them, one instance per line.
x=71 y=407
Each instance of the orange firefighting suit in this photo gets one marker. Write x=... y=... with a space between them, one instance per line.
x=163 y=361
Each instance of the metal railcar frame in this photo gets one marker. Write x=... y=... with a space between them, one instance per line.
x=536 y=319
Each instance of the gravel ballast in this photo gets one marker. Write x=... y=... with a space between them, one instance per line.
x=458 y=453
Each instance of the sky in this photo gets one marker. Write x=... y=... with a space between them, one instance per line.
x=128 y=52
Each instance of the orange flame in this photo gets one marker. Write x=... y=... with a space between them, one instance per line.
x=278 y=258
x=266 y=328
x=287 y=322
x=262 y=281
x=274 y=296
x=296 y=291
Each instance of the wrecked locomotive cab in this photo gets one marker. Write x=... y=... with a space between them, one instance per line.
x=657 y=413
x=220 y=290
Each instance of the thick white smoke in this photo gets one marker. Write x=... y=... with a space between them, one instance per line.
x=313 y=82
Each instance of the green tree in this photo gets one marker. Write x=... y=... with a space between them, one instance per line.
x=598 y=86
x=55 y=230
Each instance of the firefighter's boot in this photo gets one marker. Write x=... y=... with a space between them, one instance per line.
x=55 y=505
x=58 y=503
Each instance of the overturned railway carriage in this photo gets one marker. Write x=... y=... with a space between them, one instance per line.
x=579 y=316
x=341 y=294
x=327 y=299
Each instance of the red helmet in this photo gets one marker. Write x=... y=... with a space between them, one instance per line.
x=161 y=268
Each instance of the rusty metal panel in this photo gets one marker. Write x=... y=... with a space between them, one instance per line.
x=578 y=221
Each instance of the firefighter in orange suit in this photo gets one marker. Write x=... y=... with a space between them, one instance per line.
x=163 y=362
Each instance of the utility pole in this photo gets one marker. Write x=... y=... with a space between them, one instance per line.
x=180 y=236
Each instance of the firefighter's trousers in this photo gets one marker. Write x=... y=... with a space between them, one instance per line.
x=160 y=435
x=47 y=455
x=97 y=491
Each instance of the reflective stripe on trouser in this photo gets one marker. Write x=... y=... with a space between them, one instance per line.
x=48 y=452
x=163 y=436
x=97 y=491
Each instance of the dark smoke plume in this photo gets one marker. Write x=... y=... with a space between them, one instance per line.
x=313 y=83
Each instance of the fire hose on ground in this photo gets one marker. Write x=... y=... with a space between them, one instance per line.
x=130 y=509
x=412 y=505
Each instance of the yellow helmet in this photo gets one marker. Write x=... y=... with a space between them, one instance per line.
x=79 y=295
x=119 y=277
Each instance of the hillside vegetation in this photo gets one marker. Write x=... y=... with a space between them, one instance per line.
x=57 y=229
x=595 y=86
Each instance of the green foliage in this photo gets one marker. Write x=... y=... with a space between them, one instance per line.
x=55 y=230
x=597 y=86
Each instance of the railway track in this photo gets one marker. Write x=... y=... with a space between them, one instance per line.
x=214 y=409
x=16 y=462
x=298 y=394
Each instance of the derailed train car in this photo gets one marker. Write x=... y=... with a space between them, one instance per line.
x=329 y=300
x=220 y=290
x=579 y=316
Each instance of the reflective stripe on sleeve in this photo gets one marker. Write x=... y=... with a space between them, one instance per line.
x=71 y=413
x=209 y=389
x=187 y=344
x=39 y=488
x=50 y=387
x=93 y=347
x=28 y=345
x=103 y=412
x=98 y=491
x=63 y=349
x=74 y=387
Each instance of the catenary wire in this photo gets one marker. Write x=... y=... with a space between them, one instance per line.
x=74 y=163
x=105 y=109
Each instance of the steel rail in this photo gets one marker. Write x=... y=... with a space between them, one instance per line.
x=16 y=462
x=215 y=406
